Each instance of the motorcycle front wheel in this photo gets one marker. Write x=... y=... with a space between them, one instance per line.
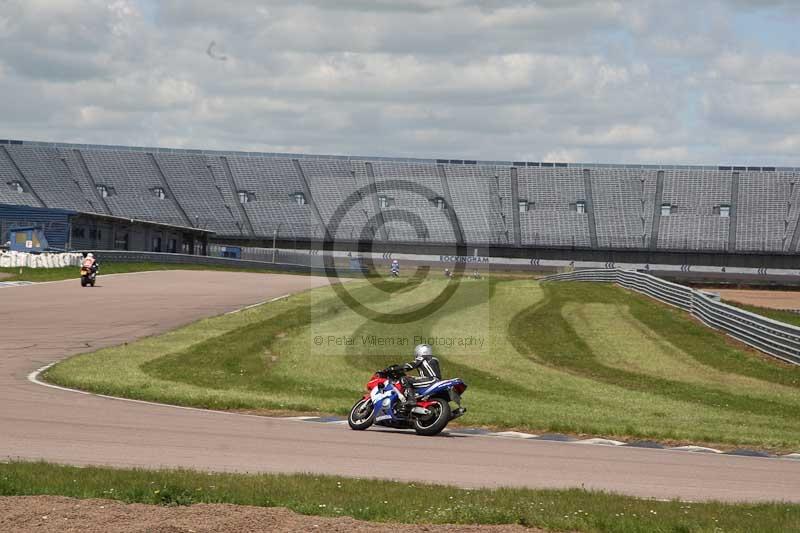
x=434 y=423
x=361 y=415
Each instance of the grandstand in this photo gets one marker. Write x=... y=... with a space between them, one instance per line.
x=503 y=205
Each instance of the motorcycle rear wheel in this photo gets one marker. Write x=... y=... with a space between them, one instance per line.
x=357 y=419
x=434 y=423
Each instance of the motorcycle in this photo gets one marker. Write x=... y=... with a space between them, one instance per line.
x=88 y=276
x=382 y=404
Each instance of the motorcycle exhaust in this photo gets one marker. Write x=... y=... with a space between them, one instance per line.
x=421 y=411
x=458 y=412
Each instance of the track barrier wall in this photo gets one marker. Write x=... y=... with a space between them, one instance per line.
x=772 y=337
x=44 y=260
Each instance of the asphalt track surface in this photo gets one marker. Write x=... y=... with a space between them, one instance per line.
x=43 y=323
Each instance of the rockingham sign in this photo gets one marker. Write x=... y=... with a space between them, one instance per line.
x=463 y=259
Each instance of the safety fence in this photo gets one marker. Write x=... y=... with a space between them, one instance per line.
x=13 y=259
x=772 y=337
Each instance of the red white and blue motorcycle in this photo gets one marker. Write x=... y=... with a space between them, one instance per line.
x=383 y=404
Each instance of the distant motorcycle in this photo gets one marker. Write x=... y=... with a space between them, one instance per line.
x=382 y=404
x=88 y=276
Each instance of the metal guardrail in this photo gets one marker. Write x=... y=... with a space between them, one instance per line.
x=772 y=337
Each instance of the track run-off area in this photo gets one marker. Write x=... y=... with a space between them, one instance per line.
x=45 y=323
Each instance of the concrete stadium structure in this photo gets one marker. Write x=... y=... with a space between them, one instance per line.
x=721 y=215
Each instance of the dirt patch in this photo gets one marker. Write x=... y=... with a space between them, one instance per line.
x=5 y=275
x=57 y=514
x=768 y=299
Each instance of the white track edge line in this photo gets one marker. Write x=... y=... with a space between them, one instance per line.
x=34 y=377
x=257 y=304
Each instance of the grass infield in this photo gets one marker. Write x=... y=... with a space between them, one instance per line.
x=579 y=358
x=560 y=510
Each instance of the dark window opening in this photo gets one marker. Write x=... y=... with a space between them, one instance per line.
x=121 y=242
x=299 y=198
x=16 y=186
x=385 y=201
x=439 y=203
x=159 y=193
x=246 y=196
x=668 y=210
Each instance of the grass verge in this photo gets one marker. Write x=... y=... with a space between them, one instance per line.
x=59 y=274
x=584 y=359
x=570 y=510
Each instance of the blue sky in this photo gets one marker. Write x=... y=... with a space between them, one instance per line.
x=558 y=80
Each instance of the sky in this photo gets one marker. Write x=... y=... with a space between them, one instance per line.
x=595 y=81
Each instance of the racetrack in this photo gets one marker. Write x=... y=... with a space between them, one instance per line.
x=768 y=299
x=44 y=323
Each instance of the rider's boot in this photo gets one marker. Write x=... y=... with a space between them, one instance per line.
x=411 y=399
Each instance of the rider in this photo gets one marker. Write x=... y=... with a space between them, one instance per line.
x=395 y=267
x=427 y=366
x=91 y=262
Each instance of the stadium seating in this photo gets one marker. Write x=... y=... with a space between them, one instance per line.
x=194 y=188
x=135 y=180
x=765 y=217
x=745 y=209
x=694 y=196
x=552 y=218
x=623 y=206
x=339 y=193
x=476 y=192
x=49 y=176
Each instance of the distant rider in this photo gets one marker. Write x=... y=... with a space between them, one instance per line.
x=90 y=262
x=429 y=372
x=395 y=267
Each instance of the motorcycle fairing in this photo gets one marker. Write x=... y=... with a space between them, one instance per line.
x=441 y=386
x=383 y=398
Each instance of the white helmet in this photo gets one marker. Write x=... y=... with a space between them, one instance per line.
x=90 y=254
x=423 y=351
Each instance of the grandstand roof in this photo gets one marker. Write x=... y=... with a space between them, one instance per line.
x=544 y=164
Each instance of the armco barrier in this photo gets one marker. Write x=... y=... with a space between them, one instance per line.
x=775 y=338
x=119 y=256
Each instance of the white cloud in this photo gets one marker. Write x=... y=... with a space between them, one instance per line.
x=580 y=80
